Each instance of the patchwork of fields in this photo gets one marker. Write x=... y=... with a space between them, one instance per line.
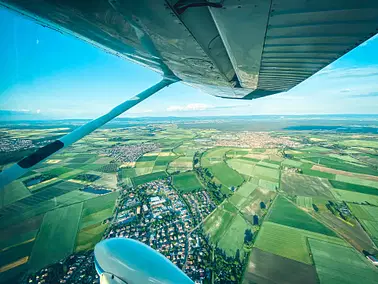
x=309 y=208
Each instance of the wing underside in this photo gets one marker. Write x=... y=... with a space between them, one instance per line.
x=243 y=49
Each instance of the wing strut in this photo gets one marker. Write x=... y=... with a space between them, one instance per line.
x=23 y=166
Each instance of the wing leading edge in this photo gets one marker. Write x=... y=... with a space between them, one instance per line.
x=242 y=49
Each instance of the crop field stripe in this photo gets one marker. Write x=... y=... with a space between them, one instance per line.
x=286 y=213
x=233 y=238
x=288 y=241
x=354 y=187
x=340 y=264
x=62 y=224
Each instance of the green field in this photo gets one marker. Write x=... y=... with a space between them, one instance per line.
x=269 y=185
x=304 y=201
x=268 y=173
x=354 y=187
x=186 y=182
x=292 y=163
x=99 y=203
x=356 y=197
x=88 y=237
x=314 y=173
x=357 y=180
x=301 y=185
x=285 y=213
x=227 y=176
x=336 y=263
x=360 y=143
x=288 y=242
x=164 y=160
x=368 y=217
x=149 y=177
x=233 y=238
x=214 y=155
x=60 y=224
x=243 y=167
x=127 y=173
x=147 y=158
x=246 y=189
x=338 y=164
x=237 y=200
x=217 y=224
x=13 y=192
x=269 y=164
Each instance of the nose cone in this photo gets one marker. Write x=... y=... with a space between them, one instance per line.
x=135 y=262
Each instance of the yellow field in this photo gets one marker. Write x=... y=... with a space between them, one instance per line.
x=52 y=161
x=14 y=264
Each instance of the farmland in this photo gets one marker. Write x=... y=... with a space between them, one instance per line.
x=286 y=213
x=347 y=267
x=269 y=202
x=297 y=184
x=186 y=182
x=59 y=224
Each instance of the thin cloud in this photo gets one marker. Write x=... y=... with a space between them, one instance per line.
x=189 y=107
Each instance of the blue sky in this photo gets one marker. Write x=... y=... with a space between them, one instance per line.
x=51 y=75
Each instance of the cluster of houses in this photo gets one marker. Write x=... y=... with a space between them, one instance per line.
x=200 y=204
x=10 y=145
x=129 y=153
x=155 y=214
x=76 y=268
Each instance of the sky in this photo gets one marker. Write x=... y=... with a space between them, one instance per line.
x=46 y=74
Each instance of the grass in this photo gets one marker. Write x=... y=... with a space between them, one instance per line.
x=360 y=143
x=233 y=239
x=149 y=177
x=287 y=241
x=264 y=172
x=265 y=267
x=214 y=155
x=58 y=171
x=147 y=158
x=338 y=164
x=237 y=200
x=292 y=163
x=246 y=189
x=217 y=223
x=12 y=192
x=371 y=227
x=354 y=187
x=315 y=173
x=164 y=160
x=229 y=207
x=355 y=197
x=186 y=182
x=88 y=237
x=336 y=263
x=269 y=185
x=297 y=184
x=97 y=204
x=356 y=180
x=286 y=213
x=304 y=201
x=368 y=217
x=269 y=164
x=242 y=166
x=227 y=176
x=127 y=173
x=60 y=224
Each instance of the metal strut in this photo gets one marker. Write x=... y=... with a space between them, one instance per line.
x=23 y=166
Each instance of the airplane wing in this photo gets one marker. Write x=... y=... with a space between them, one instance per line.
x=243 y=49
